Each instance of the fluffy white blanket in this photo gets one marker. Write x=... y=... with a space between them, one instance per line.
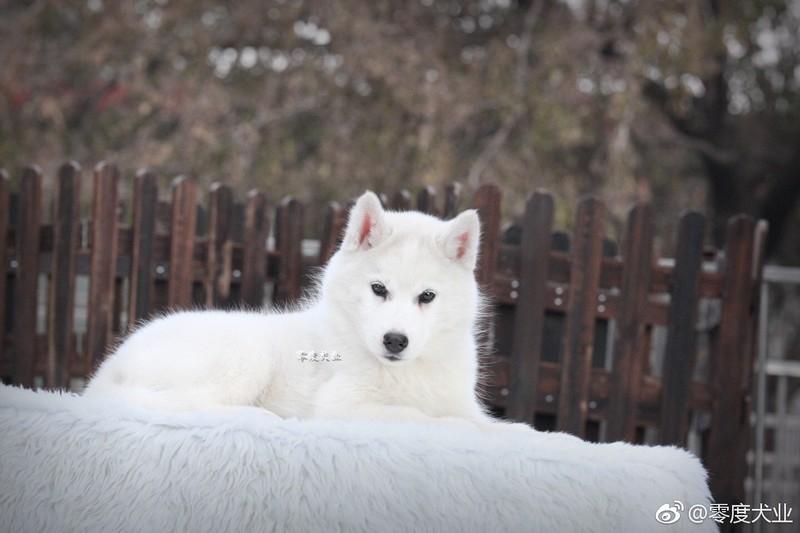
x=71 y=464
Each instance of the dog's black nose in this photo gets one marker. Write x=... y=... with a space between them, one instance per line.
x=395 y=342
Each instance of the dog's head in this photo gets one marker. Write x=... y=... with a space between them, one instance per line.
x=403 y=283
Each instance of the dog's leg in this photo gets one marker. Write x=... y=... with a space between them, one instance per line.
x=476 y=415
x=191 y=399
x=397 y=413
x=386 y=413
x=245 y=410
x=494 y=424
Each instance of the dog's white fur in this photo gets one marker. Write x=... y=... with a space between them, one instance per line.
x=212 y=359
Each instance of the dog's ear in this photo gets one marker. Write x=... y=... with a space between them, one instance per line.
x=462 y=238
x=366 y=226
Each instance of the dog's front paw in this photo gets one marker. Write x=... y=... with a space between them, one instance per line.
x=245 y=411
x=519 y=427
x=454 y=421
x=499 y=426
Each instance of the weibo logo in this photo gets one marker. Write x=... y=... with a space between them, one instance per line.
x=669 y=513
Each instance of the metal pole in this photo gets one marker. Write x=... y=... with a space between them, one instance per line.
x=761 y=396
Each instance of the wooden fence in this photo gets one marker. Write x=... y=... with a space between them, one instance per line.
x=602 y=343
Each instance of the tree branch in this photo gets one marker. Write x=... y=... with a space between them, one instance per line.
x=686 y=135
x=498 y=140
x=780 y=203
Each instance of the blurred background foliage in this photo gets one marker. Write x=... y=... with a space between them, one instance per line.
x=688 y=104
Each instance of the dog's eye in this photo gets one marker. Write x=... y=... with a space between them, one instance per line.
x=426 y=297
x=379 y=289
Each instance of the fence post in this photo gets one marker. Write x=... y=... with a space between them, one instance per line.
x=426 y=200
x=5 y=188
x=182 y=232
x=452 y=195
x=220 y=252
x=26 y=296
x=537 y=226
x=333 y=226
x=289 y=237
x=401 y=201
x=145 y=200
x=61 y=301
x=254 y=263
x=679 y=354
x=103 y=262
x=629 y=342
x=728 y=439
x=487 y=201
x=587 y=255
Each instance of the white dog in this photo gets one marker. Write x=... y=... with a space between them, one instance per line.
x=398 y=304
